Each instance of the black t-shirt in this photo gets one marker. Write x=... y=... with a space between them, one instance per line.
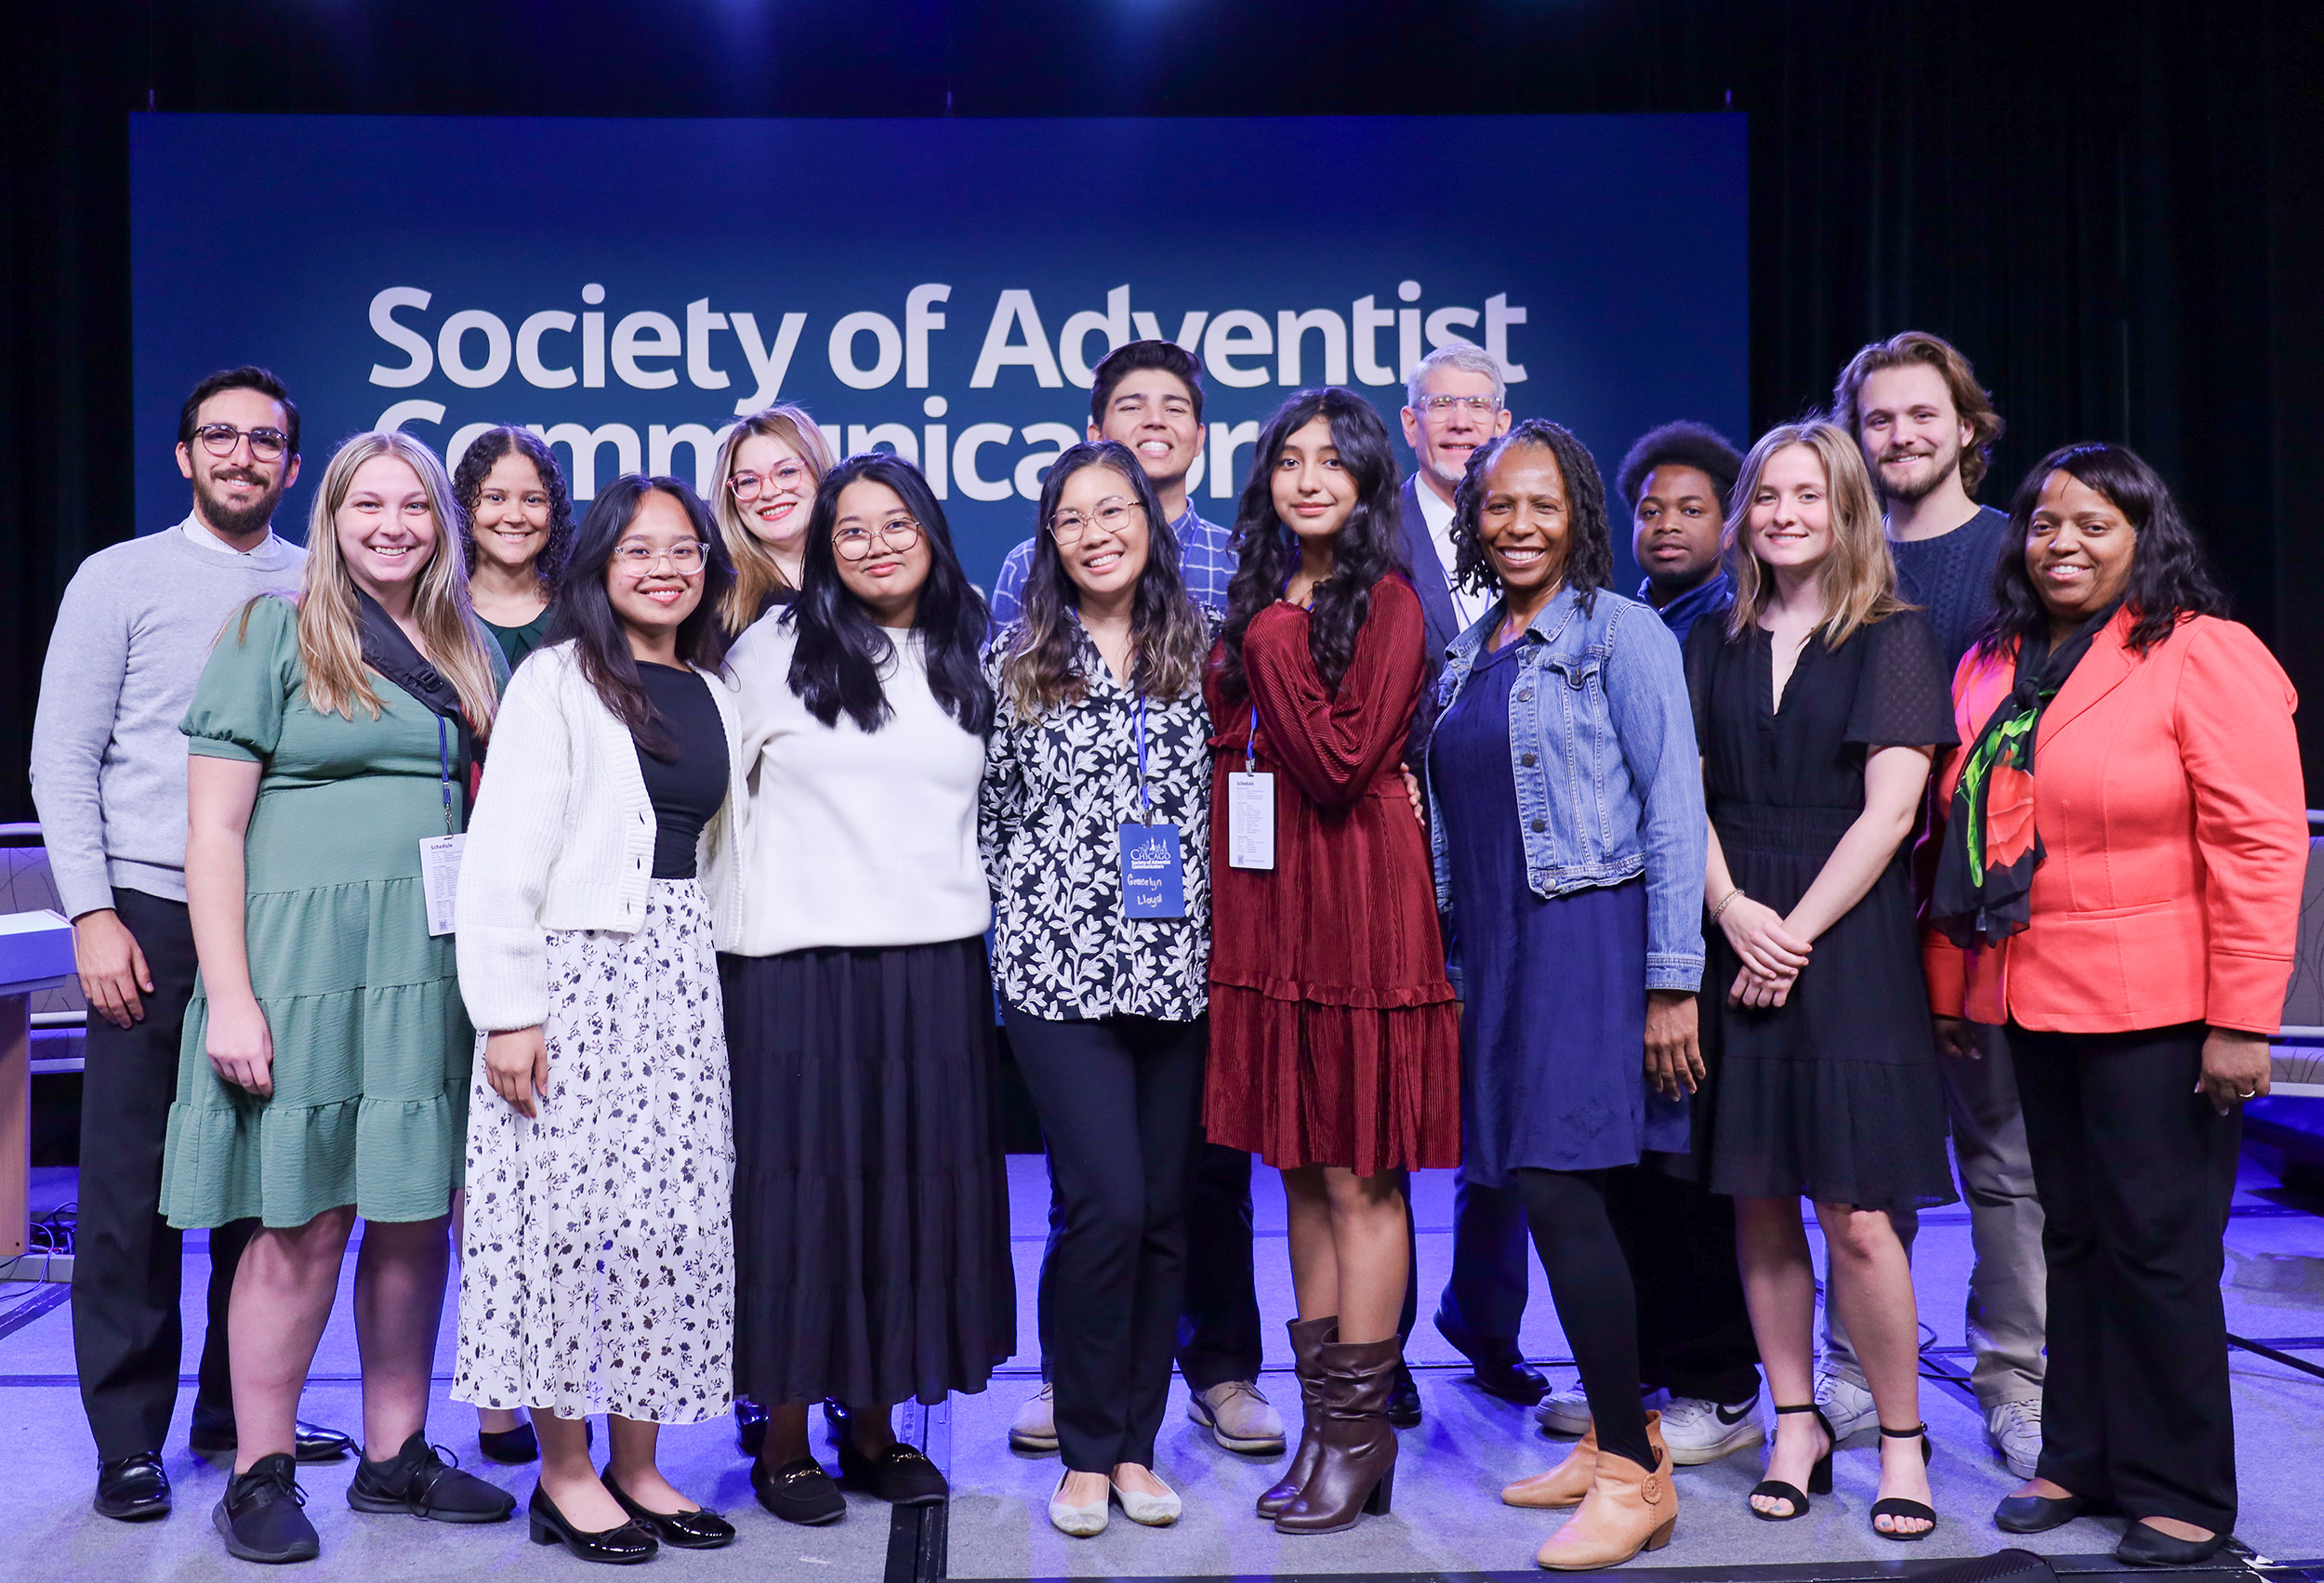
x=688 y=789
x=1950 y=577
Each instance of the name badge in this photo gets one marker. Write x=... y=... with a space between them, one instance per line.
x=1153 y=878
x=439 y=879
x=1250 y=819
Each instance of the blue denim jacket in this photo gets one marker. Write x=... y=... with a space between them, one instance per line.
x=1609 y=781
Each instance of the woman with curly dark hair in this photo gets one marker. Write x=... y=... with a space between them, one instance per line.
x=516 y=527
x=1334 y=1051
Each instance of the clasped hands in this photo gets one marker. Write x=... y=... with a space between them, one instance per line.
x=1772 y=955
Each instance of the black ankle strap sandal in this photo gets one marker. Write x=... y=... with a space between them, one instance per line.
x=1895 y=1506
x=1818 y=1478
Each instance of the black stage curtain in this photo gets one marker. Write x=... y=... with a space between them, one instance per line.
x=2110 y=204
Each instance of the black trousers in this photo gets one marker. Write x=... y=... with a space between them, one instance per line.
x=1589 y=1282
x=1218 y=1334
x=1693 y=1327
x=1485 y=1296
x=126 y=1333
x=2135 y=1171
x=1120 y=1102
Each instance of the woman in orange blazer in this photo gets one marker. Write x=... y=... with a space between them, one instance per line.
x=2121 y=843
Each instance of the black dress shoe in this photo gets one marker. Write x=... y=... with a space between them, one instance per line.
x=2035 y=1513
x=623 y=1546
x=798 y=1492
x=2145 y=1544
x=1498 y=1368
x=750 y=1427
x=899 y=1475
x=417 y=1480
x=697 y=1530
x=132 y=1489
x=1404 y=1400
x=509 y=1446
x=211 y=1436
x=259 y=1517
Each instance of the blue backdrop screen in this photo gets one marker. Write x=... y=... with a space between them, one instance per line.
x=940 y=287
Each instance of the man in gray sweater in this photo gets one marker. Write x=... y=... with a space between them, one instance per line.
x=109 y=775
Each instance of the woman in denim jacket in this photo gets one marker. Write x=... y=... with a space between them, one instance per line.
x=1565 y=801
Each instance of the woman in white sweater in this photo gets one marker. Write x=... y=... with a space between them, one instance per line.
x=598 y=1270
x=870 y=1210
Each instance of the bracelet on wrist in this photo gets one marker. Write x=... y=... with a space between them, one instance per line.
x=1725 y=902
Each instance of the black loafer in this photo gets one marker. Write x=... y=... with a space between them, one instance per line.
x=1498 y=1366
x=211 y=1436
x=419 y=1481
x=132 y=1489
x=511 y=1447
x=798 y=1492
x=1404 y=1400
x=899 y=1475
x=624 y=1546
x=2145 y=1544
x=259 y=1517
x=750 y=1427
x=2036 y=1514
x=700 y=1529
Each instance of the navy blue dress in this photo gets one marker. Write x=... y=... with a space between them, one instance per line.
x=1553 y=1020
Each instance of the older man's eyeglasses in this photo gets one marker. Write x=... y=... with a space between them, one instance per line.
x=1444 y=407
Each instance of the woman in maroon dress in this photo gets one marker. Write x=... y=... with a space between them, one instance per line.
x=1335 y=1048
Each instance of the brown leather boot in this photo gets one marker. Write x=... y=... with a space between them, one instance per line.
x=1569 y=1480
x=1356 y=1470
x=1627 y=1510
x=1308 y=1337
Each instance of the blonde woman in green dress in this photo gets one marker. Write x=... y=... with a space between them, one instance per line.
x=325 y=1066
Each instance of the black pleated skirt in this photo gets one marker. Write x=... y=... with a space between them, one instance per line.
x=871 y=1213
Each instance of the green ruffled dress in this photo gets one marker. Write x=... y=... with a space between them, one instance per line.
x=373 y=1050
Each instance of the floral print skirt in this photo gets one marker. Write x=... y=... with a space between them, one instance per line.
x=598 y=1262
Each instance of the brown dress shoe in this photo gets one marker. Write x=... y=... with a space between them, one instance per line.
x=1355 y=1471
x=1569 y=1480
x=1628 y=1510
x=1308 y=1338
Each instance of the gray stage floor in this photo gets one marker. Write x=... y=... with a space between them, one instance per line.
x=1447 y=1517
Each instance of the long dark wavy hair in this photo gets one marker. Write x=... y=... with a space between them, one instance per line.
x=1168 y=635
x=467 y=487
x=1589 y=536
x=583 y=613
x=835 y=667
x=2169 y=574
x=1368 y=548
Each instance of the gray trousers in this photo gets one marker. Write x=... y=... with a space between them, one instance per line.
x=2008 y=1305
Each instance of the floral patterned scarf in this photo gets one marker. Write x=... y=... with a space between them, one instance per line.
x=1985 y=870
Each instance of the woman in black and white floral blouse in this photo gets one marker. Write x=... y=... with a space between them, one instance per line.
x=1095 y=827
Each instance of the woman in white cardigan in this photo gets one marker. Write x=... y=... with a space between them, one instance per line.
x=598 y=1269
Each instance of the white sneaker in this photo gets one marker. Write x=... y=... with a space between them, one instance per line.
x=1567 y=1412
x=2015 y=1429
x=1035 y=1429
x=1847 y=1406
x=1237 y=1417
x=1081 y=1522
x=1698 y=1430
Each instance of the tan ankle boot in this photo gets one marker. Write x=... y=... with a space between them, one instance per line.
x=1569 y=1480
x=1627 y=1510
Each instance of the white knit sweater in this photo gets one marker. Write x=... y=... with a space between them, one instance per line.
x=562 y=837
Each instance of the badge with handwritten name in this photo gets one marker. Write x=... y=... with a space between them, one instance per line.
x=1153 y=878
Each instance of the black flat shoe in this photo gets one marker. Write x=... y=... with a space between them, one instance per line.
x=750 y=1427
x=1404 y=1400
x=212 y=1437
x=700 y=1529
x=899 y=1475
x=1819 y=1477
x=259 y=1517
x=510 y=1447
x=2038 y=1514
x=798 y=1492
x=624 y=1546
x=132 y=1489
x=2145 y=1544
x=1499 y=1368
x=419 y=1481
x=1896 y=1506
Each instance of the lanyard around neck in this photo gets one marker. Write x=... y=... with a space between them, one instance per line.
x=443 y=769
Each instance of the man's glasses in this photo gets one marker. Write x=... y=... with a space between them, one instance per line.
x=1113 y=515
x=219 y=440
x=639 y=557
x=898 y=533
x=784 y=480
x=1444 y=407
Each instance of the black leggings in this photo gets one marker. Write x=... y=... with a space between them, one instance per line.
x=1590 y=1282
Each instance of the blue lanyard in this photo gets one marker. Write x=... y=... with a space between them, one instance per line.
x=443 y=765
x=1145 y=801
